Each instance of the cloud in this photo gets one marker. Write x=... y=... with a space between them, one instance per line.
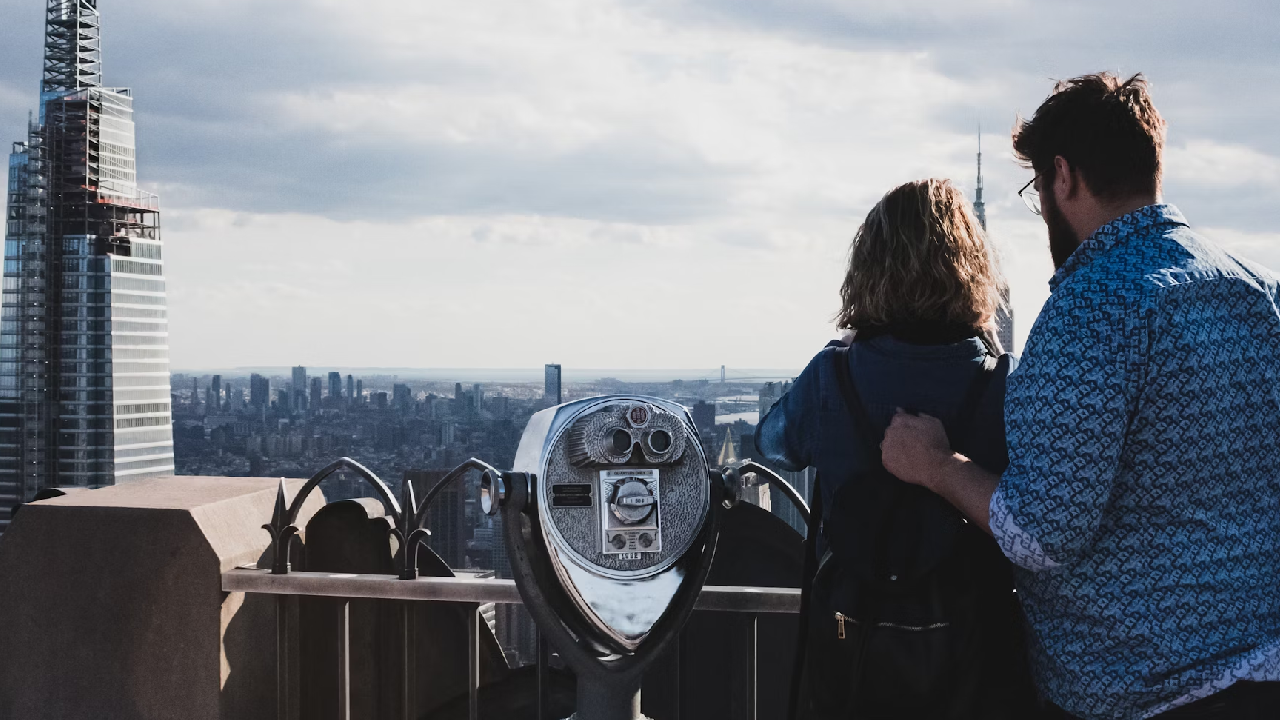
x=462 y=291
x=1216 y=165
x=421 y=183
x=1260 y=247
x=574 y=108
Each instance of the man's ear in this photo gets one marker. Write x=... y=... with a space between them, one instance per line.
x=1066 y=183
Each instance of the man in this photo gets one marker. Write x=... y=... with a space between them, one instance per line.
x=1141 y=504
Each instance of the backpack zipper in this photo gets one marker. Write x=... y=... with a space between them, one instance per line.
x=841 y=618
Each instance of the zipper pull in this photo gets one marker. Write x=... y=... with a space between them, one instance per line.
x=840 y=626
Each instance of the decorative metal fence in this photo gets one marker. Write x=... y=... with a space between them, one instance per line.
x=408 y=525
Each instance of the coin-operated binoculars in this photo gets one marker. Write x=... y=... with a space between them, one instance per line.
x=610 y=518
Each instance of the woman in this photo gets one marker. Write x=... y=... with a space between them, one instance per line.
x=912 y=611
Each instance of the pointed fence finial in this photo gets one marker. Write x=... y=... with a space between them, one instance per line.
x=282 y=532
x=408 y=532
x=282 y=504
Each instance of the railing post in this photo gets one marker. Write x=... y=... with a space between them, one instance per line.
x=679 y=694
x=541 y=649
x=753 y=677
x=344 y=659
x=473 y=663
x=406 y=621
x=282 y=657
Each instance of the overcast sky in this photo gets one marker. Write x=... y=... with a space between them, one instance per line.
x=614 y=184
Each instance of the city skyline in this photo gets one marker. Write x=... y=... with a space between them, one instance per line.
x=726 y=153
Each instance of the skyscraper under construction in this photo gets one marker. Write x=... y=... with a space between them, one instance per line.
x=84 y=356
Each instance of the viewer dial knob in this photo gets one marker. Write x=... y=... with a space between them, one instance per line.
x=632 y=502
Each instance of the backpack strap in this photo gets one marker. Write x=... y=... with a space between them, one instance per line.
x=864 y=427
x=972 y=399
x=806 y=597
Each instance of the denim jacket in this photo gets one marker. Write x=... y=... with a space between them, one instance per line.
x=810 y=425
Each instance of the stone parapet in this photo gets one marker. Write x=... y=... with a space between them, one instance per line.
x=111 y=603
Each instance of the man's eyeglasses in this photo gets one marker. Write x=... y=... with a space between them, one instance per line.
x=1031 y=196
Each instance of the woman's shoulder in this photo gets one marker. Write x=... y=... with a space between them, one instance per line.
x=825 y=358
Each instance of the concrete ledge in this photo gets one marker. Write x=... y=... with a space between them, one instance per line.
x=111 y=602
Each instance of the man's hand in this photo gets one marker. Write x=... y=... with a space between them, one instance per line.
x=915 y=449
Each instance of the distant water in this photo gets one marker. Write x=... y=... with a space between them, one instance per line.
x=751 y=418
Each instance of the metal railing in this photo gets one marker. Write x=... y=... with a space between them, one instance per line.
x=737 y=599
x=408 y=519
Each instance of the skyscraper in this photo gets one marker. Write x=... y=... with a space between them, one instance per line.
x=259 y=391
x=979 y=207
x=351 y=390
x=770 y=394
x=335 y=388
x=299 y=389
x=1004 y=313
x=704 y=416
x=359 y=397
x=1004 y=321
x=728 y=452
x=401 y=397
x=84 y=356
x=317 y=389
x=551 y=384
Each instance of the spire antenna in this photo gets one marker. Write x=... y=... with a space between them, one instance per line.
x=979 y=207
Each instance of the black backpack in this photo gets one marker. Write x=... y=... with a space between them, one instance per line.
x=910 y=613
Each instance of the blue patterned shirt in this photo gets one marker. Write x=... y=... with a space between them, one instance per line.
x=1142 y=499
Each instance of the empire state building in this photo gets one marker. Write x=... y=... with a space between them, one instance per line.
x=84 y=348
x=1004 y=313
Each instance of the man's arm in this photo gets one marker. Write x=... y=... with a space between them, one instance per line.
x=1067 y=411
x=916 y=450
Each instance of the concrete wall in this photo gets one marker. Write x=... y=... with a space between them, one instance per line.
x=111 y=603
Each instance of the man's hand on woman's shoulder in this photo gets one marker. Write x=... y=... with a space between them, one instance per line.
x=915 y=449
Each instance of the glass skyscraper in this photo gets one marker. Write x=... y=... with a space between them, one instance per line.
x=84 y=349
x=551 y=389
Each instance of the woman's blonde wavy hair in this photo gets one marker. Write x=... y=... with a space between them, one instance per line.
x=920 y=257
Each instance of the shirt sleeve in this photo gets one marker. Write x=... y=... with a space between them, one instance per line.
x=787 y=434
x=1066 y=412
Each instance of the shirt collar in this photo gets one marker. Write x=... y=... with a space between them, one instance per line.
x=894 y=347
x=1114 y=233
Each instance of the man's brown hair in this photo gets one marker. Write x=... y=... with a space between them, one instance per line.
x=920 y=257
x=1106 y=129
